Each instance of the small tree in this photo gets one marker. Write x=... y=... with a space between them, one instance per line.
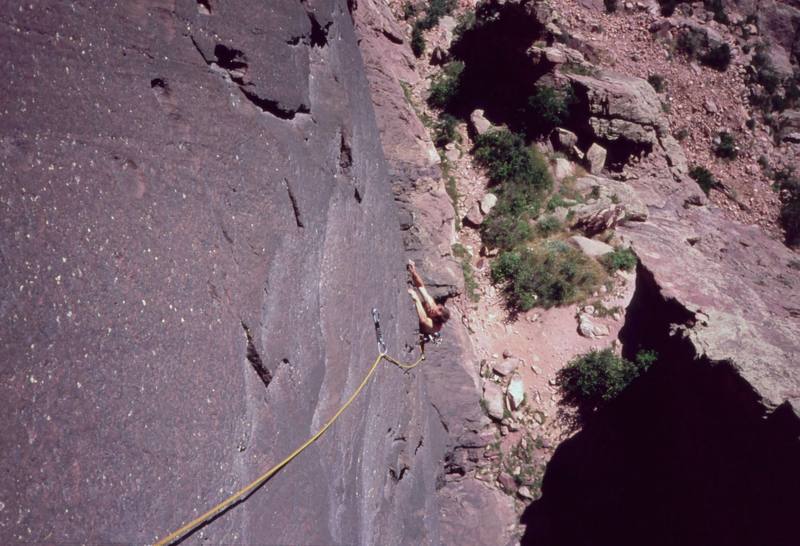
x=590 y=381
x=444 y=131
x=718 y=57
x=789 y=185
x=657 y=81
x=547 y=108
x=705 y=179
x=417 y=41
x=726 y=148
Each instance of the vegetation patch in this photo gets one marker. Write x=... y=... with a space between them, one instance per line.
x=547 y=108
x=726 y=147
x=547 y=274
x=522 y=179
x=434 y=11
x=657 y=81
x=470 y=284
x=621 y=259
x=718 y=57
x=446 y=85
x=694 y=44
x=445 y=131
x=718 y=9
x=547 y=226
x=788 y=183
x=705 y=179
x=592 y=380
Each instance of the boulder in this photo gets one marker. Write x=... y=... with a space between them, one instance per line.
x=789 y=123
x=507 y=366
x=488 y=202
x=515 y=392
x=447 y=25
x=478 y=123
x=554 y=55
x=674 y=154
x=507 y=482
x=564 y=140
x=563 y=168
x=597 y=218
x=621 y=107
x=524 y=492
x=589 y=329
x=493 y=398
x=590 y=247
x=439 y=56
x=596 y=158
x=611 y=193
x=474 y=217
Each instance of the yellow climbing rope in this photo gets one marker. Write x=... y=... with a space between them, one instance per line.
x=245 y=492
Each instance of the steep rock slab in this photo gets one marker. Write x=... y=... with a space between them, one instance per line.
x=196 y=221
x=427 y=215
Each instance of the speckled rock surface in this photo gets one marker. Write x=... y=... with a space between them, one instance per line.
x=195 y=223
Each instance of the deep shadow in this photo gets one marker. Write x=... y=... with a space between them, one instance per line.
x=685 y=456
x=498 y=74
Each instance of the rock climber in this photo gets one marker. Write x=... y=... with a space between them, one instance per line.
x=432 y=315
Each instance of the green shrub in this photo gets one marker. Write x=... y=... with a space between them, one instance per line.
x=705 y=179
x=657 y=81
x=590 y=381
x=548 y=226
x=726 y=148
x=444 y=132
x=435 y=10
x=507 y=159
x=611 y=5
x=547 y=108
x=417 y=41
x=690 y=42
x=667 y=7
x=789 y=185
x=646 y=358
x=550 y=273
x=446 y=85
x=506 y=228
x=522 y=177
x=716 y=7
x=621 y=258
x=465 y=22
x=470 y=284
x=718 y=58
x=409 y=10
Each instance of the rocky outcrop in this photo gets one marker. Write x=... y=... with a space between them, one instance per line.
x=426 y=211
x=196 y=222
x=719 y=303
x=624 y=113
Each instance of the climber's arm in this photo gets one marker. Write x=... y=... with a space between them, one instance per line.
x=424 y=319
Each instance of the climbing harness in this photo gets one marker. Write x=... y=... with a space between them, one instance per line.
x=248 y=490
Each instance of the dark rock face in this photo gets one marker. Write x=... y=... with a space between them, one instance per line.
x=196 y=221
